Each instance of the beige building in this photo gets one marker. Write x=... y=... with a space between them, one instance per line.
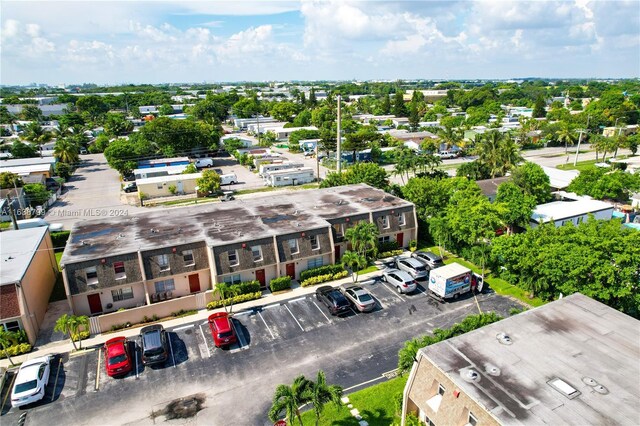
x=570 y=362
x=162 y=186
x=28 y=272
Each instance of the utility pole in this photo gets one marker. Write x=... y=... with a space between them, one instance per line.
x=317 y=164
x=17 y=195
x=575 y=161
x=11 y=212
x=339 y=141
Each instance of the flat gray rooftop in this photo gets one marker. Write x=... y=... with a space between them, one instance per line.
x=575 y=339
x=17 y=248
x=223 y=223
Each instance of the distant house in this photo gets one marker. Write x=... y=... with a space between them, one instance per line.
x=489 y=187
x=18 y=202
x=29 y=272
x=571 y=209
x=559 y=179
x=149 y=172
x=159 y=186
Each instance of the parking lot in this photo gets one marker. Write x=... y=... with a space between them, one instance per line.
x=276 y=342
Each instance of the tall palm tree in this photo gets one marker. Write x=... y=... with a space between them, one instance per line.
x=489 y=151
x=321 y=394
x=449 y=136
x=363 y=236
x=7 y=339
x=66 y=151
x=64 y=325
x=509 y=155
x=289 y=399
x=354 y=261
x=34 y=133
x=567 y=135
x=78 y=323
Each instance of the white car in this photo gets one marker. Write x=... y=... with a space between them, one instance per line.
x=31 y=380
x=401 y=280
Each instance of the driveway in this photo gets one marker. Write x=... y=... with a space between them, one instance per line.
x=92 y=192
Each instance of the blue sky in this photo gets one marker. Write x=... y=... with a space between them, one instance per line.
x=111 y=42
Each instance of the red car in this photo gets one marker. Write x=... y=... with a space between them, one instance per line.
x=117 y=357
x=221 y=329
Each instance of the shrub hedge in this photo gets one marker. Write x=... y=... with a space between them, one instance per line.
x=388 y=246
x=59 y=239
x=321 y=270
x=81 y=335
x=246 y=287
x=318 y=279
x=280 y=283
x=235 y=299
x=391 y=253
x=19 y=349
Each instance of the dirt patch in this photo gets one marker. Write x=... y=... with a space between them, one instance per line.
x=181 y=408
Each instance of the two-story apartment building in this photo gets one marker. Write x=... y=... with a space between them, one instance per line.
x=137 y=261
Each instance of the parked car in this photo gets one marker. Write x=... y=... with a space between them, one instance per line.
x=30 y=382
x=446 y=155
x=360 y=298
x=228 y=179
x=415 y=267
x=431 y=259
x=83 y=151
x=333 y=300
x=221 y=329
x=130 y=177
x=401 y=280
x=227 y=196
x=38 y=222
x=204 y=162
x=154 y=344
x=117 y=358
x=130 y=187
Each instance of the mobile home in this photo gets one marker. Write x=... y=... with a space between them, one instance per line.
x=267 y=168
x=287 y=177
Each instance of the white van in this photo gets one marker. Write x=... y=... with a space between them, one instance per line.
x=228 y=179
x=35 y=223
x=204 y=162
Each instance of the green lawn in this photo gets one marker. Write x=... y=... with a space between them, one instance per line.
x=582 y=165
x=58 y=256
x=368 y=269
x=499 y=285
x=376 y=405
x=5 y=225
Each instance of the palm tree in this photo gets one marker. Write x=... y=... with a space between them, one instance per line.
x=489 y=151
x=363 y=236
x=567 y=135
x=509 y=155
x=321 y=393
x=65 y=325
x=34 y=132
x=354 y=261
x=66 y=151
x=78 y=323
x=7 y=339
x=289 y=399
x=449 y=136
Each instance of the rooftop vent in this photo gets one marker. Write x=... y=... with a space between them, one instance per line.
x=470 y=375
x=504 y=338
x=601 y=389
x=595 y=385
x=84 y=243
x=154 y=230
x=589 y=381
x=492 y=370
x=564 y=388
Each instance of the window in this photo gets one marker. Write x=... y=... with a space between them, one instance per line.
x=472 y=419
x=163 y=262
x=441 y=390
x=401 y=221
x=159 y=186
x=165 y=285
x=385 y=239
x=385 y=221
x=315 y=244
x=187 y=256
x=434 y=401
x=232 y=279
x=92 y=275
x=233 y=258
x=11 y=326
x=256 y=252
x=314 y=263
x=339 y=228
x=293 y=245
x=118 y=268
x=122 y=294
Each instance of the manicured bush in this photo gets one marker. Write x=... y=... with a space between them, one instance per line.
x=19 y=349
x=391 y=253
x=280 y=283
x=321 y=270
x=81 y=335
x=59 y=239
x=235 y=299
x=388 y=246
x=246 y=287
x=319 y=279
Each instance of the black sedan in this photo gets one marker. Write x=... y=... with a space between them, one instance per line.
x=333 y=299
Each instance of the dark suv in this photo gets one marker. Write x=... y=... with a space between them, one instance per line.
x=333 y=299
x=154 y=344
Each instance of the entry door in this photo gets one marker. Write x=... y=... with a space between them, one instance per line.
x=337 y=250
x=400 y=239
x=261 y=278
x=180 y=188
x=194 y=283
x=95 y=305
x=291 y=270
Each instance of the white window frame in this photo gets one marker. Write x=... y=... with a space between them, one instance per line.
x=315 y=263
x=120 y=275
x=385 y=222
x=17 y=321
x=234 y=254
x=472 y=420
x=255 y=249
x=186 y=253
x=92 y=280
x=122 y=294
x=401 y=219
x=312 y=239
x=167 y=285
x=232 y=279
x=160 y=186
x=163 y=262
x=384 y=239
x=295 y=248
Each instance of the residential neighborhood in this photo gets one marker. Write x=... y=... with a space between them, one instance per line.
x=357 y=213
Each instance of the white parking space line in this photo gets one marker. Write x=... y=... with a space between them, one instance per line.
x=237 y=314
x=55 y=384
x=321 y=311
x=294 y=318
x=265 y=324
x=205 y=339
x=172 y=355
x=275 y=305
x=184 y=327
x=392 y=290
x=298 y=299
x=421 y=291
x=242 y=341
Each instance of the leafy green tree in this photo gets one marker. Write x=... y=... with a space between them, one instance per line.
x=363 y=238
x=517 y=206
x=36 y=193
x=190 y=169
x=7 y=339
x=10 y=180
x=116 y=124
x=539 y=108
x=414 y=117
x=385 y=105
x=22 y=150
x=66 y=324
x=92 y=106
x=72 y=119
x=288 y=400
x=100 y=144
x=353 y=261
x=209 y=111
x=209 y=183
x=360 y=140
x=122 y=154
x=368 y=173
x=312 y=97
x=498 y=152
x=268 y=139
x=66 y=151
x=322 y=393
x=63 y=170
x=284 y=110
x=399 y=108
x=5 y=116
x=474 y=170
x=165 y=109
x=602 y=184
x=246 y=107
x=533 y=181
x=31 y=113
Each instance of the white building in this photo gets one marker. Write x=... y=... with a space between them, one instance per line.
x=571 y=209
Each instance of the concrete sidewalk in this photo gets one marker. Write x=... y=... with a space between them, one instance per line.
x=96 y=341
